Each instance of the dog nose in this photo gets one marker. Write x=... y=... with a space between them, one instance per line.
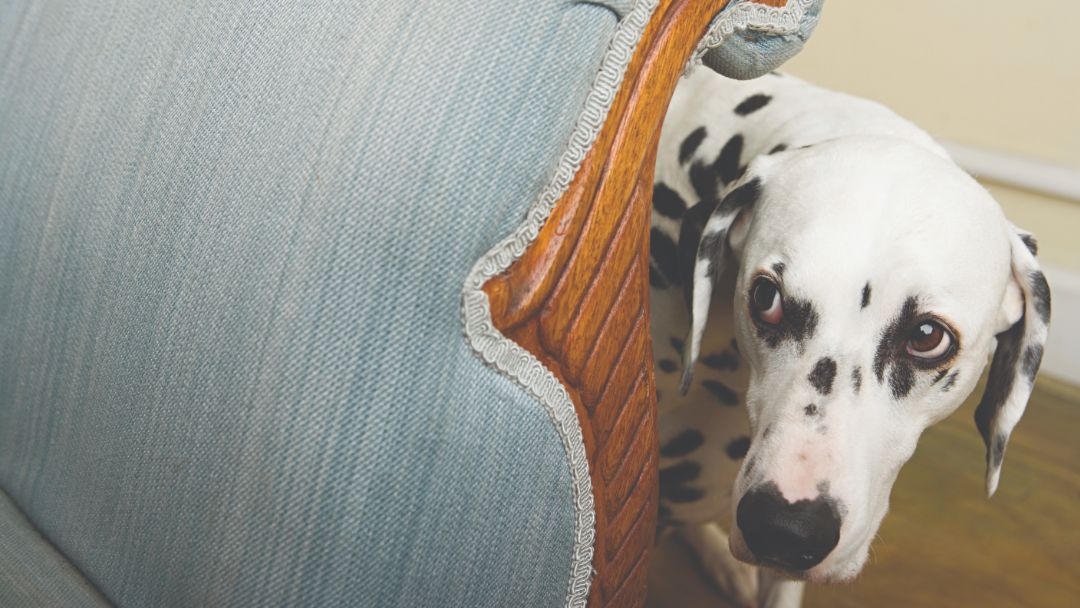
x=793 y=536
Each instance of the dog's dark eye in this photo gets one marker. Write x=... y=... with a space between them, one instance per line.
x=765 y=301
x=929 y=340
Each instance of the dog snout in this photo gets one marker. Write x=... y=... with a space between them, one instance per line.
x=792 y=536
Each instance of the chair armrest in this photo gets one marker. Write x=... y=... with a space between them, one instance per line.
x=578 y=299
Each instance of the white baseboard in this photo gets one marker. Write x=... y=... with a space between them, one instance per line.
x=1022 y=172
x=1062 y=356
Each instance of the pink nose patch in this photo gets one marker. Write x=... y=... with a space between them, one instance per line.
x=800 y=469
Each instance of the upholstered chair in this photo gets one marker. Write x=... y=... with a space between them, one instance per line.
x=336 y=303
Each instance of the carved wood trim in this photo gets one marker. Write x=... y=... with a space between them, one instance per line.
x=578 y=300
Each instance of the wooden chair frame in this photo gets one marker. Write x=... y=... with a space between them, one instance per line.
x=578 y=299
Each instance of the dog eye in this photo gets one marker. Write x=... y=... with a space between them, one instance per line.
x=929 y=340
x=765 y=301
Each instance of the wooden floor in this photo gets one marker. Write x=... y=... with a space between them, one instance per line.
x=943 y=543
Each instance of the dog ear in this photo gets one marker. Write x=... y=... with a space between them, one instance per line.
x=716 y=238
x=1025 y=311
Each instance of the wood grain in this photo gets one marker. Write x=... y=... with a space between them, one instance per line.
x=578 y=300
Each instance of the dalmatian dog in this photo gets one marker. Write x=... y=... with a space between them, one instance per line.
x=826 y=284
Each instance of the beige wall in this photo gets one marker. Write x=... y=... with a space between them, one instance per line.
x=1056 y=224
x=985 y=73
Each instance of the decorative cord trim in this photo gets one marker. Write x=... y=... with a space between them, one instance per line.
x=508 y=357
x=779 y=21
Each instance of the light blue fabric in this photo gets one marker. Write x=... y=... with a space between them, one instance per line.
x=748 y=53
x=233 y=236
x=32 y=573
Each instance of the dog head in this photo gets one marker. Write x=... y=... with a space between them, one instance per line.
x=874 y=280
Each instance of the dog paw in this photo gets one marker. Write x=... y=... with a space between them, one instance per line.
x=736 y=580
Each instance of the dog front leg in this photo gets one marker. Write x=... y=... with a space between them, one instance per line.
x=777 y=591
x=737 y=581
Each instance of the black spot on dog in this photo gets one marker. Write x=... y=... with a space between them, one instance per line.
x=677 y=474
x=663 y=251
x=677 y=344
x=721 y=360
x=890 y=350
x=1031 y=244
x=655 y=278
x=690 y=145
x=778 y=268
x=752 y=104
x=999 y=381
x=727 y=164
x=667 y=365
x=822 y=376
x=682 y=444
x=1033 y=355
x=693 y=245
x=712 y=245
x=703 y=179
x=865 y=296
x=802 y=319
x=667 y=202
x=693 y=224
x=682 y=494
x=737 y=448
x=1040 y=293
x=743 y=196
x=811 y=410
x=721 y=391
x=889 y=342
x=798 y=325
x=940 y=375
x=949 y=382
x=822 y=429
x=742 y=171
x=778 y=148
x=901 y=379
x=725 y=168
x=999 y=448
x=856 y=379
x=712 y=248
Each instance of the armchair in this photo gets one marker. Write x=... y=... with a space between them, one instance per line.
x=238 y=365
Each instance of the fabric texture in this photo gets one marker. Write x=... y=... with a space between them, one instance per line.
x=32 y=573
x=748 y=40
x=232 y=242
